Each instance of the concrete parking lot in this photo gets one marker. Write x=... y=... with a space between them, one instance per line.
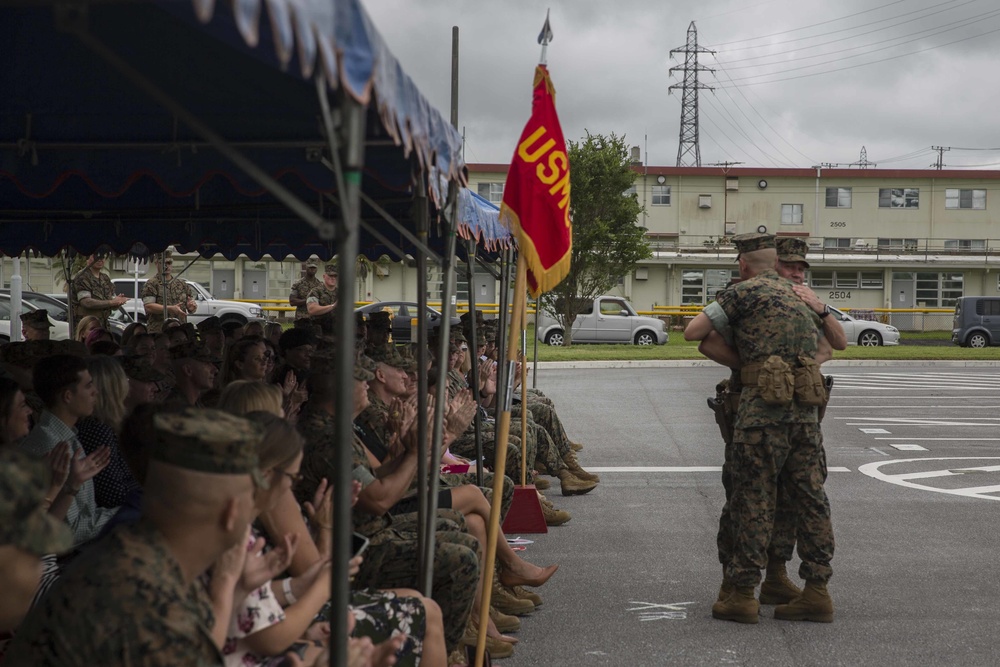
x=914 y=454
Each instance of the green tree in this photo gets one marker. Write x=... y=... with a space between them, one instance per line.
x=607 y=241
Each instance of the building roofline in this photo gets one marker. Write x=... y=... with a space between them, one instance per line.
x=809 y=172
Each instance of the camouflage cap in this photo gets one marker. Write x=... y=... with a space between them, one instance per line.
x=490 y=329
x=380 y=320
x=325 y=361
x=312 y=264
x=141 y=369
x=752 y=241
x=23 y=522
x=36 y=319
x=406 y=354
x=210 y=441
x=196 y=351
x=25 y=354
x=331 y=269
x=456 y=335
x=387 y=354
x=791 y=249
x=364 y=368
x=209 y=324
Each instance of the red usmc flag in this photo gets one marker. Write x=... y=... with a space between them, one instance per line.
x=536 y=197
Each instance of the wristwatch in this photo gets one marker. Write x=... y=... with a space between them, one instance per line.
x=826 y=311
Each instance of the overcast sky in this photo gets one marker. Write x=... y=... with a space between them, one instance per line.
x=610 y=64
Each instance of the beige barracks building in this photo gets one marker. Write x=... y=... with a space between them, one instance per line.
x=878 y=238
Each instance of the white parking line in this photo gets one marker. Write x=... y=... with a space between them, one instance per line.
x=874 y=470
x=909 y=448
x=905 y=437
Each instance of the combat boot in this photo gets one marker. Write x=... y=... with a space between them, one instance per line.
x=523 y=593
x=504 y=622
x=777 y=588
x=553 y=516
x=573 y=485
x=741 y=606
x=574 y=467
x=505 y=601
x=497 y=647
x=813 y=605
x=727 y=586
x=541 y=483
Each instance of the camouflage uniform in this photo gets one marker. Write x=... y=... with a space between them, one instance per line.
x=87 y=285
x=775 y=441
x=178 y=293
x=148 y=613
x=392 y=556
x=302 y=289
x=323 y=297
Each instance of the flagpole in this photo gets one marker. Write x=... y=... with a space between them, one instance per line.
x=502 y=435
x=524 y=393
x=544 y=38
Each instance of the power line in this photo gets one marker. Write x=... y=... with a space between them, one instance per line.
x=806 y=27
x=736 y=126
x=860 y=55
x=934 y=30
x=873 y=62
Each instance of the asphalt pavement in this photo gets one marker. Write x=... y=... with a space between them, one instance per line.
x=914 y=458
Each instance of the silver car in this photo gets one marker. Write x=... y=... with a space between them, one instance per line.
x=865 y=333
x=610 y=319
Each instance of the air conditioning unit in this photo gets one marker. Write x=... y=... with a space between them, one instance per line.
x=642 y=273
x=704 y=201
x=730 y=228
x=815 y=243
x=732 y=184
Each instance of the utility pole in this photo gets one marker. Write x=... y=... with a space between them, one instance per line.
x=688 y=151
x=939 y=164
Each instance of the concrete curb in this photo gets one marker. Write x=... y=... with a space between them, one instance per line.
x=695 y=363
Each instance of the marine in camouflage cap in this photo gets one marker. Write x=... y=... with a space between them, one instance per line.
x=36 y=319
x=752 y=241
x=325 y=361
x=791 y=249
x=209 y=441
x=196 y=351
x=140 y=369
x=388 y=354
x=24 y=481
x=380 y=319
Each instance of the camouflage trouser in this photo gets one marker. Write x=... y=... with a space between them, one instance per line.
x=545 y=416
x=466 y=446
x=783 y=534
x=793 y=454
x=487 y=488
x=393 y=563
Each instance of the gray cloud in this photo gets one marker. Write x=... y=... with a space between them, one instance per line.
x=610 y=63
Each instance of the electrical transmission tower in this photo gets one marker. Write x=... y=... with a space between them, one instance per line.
x=688 y=151
x=863 y=160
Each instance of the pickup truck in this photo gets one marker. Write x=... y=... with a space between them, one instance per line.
x=609 y=319
x=208 y=305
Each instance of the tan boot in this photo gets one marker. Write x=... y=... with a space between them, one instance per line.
x=777 y=587
x=726 y=588
x=541 y=483
x=741 y=606
x=504 y=622
x=497 y=647
x=815 y=604
x=505 y=601
x=523 y=593
x=573 y=485
x=574 y=467
x=554 y=517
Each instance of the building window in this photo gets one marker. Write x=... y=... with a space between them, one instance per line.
x=491 y=191
x=871 y=280
x=938 y=290
x=955 y=198
x=897 y=244
x=821 y=279
x=661 y=195
x=835 y=243
x=838 y=197
x=965 y=244
x=633 y=191
x=899 y=198
x=791 y=214
x=699 y=286
x=845 y=279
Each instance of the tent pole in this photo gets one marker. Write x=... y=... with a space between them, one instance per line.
x=534 y=371
x=420 y=244
x=348 y=158
x=422 y=215
x=504 y=318
x=470 y=277
x=441 y=389
x=15 y=301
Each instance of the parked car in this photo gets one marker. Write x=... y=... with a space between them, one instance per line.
x=864 y=332
x=208 y=305
x=60 y=330
x=403 y=313
x=608 y=319
x=59 y=311
x=976 y=322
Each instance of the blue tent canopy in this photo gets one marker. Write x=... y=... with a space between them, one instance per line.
x=87 y=160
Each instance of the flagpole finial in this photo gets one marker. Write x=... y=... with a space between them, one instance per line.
x=544 y=37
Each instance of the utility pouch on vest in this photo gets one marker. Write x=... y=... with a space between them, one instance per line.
x=828 y=386
x=809 y=385
x=776 y=381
